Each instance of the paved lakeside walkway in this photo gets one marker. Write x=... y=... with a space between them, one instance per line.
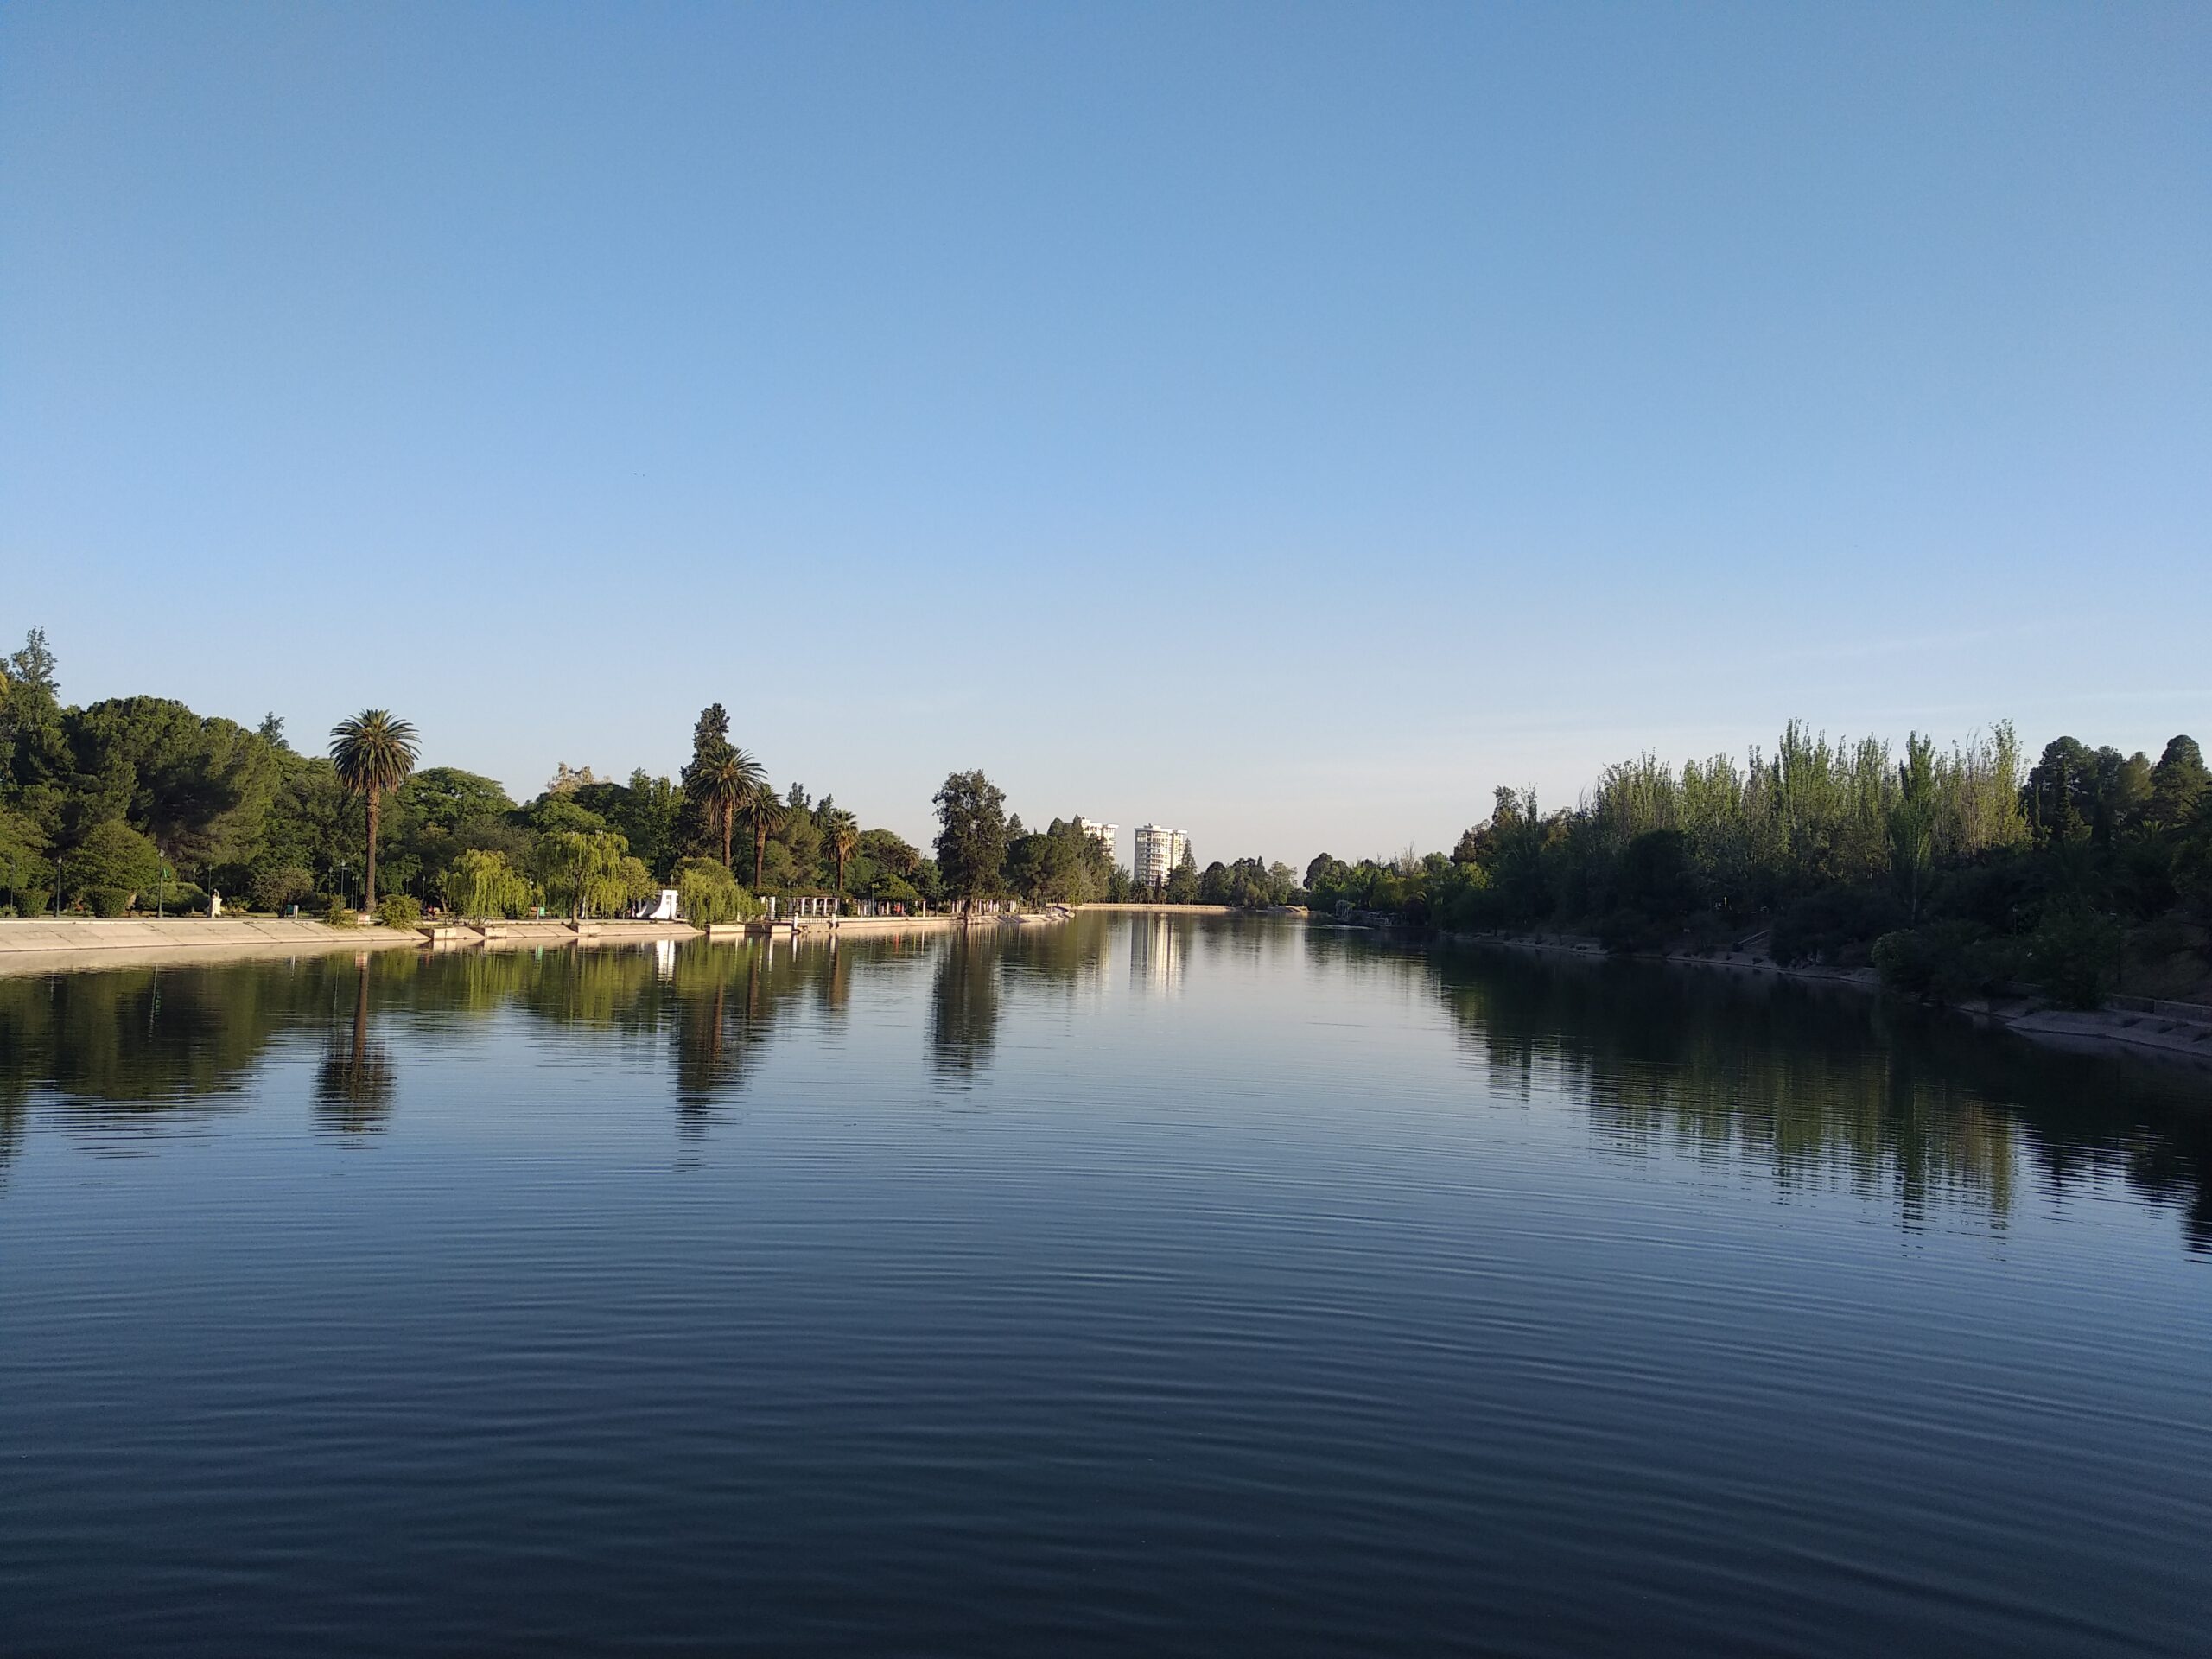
x=33 y=945
x=66 y=945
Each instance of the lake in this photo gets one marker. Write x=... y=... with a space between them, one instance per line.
x=1142 y=1285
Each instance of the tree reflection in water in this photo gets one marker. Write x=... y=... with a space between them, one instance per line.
x=356 y=1082
x=1823 y=1085
x=965 y=1004
x=1818 y=1086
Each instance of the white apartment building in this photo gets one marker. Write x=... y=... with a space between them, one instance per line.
x=1160 y=850
x=1103 y=834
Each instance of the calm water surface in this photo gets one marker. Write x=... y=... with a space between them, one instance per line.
x=1137 y=1286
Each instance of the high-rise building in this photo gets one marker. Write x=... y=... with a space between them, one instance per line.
x=1103 y=834
x=1160 y=850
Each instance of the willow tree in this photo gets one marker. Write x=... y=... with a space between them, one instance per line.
x=374 y=754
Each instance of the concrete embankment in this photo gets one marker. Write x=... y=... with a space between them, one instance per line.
x=31 y=945
x=35 y=945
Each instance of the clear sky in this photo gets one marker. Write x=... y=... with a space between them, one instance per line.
x=1284 y=422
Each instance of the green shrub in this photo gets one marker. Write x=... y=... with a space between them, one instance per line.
x=108 y=901
x=33 y=901
x=272 y=887
x=341 y=913
x=2075 y=954
x=1943 y=961
x=111 y=854
x=398 y=909
x=1837 y=927
x=1633 y=931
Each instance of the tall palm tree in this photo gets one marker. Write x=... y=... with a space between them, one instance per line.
x=843 y=831
x=374 y=754
x=766 y=813
x=725 y=787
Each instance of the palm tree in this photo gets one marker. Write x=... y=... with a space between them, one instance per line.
x=766 y=813
x=843 y=831
x=373 y=753
x=725 y=787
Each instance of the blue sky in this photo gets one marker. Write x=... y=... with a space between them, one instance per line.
x=1286 y=423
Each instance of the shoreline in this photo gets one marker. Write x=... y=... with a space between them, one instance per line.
x=72 y=944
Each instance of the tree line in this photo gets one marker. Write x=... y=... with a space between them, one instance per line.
x=1954 y=871
x=141 y=802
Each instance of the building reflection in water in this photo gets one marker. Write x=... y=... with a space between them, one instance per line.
x=1157 y=945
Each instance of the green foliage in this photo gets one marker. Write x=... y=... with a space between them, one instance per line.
x=374 y=752
x=1943 y=961
x=971 y=841
x=706 y=893
x=590 y=873
x=482 y=883
x=1246 y=882
x=446 y=798
x=341 y=912
x=25 y=866
x=1654 y=890
x=398 y=909
x=2179 y=785
x=274 y=885
x=841 y=839
x=1183 y=884
x=1834 y=926
x=720 y=781
x=111 y=855
x=890 y=889
x=2075 y=954
x=643 y=812
x=107 y=901
x=199 y=788
x=1060 y=866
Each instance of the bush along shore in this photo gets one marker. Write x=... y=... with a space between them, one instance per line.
x=1959 y=875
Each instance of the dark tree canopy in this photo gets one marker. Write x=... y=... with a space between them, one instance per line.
x=971 y=839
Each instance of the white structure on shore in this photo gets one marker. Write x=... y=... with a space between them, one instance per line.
x=1103 y=834
x=1160 y=850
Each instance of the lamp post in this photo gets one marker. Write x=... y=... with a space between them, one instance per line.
x=57 y=887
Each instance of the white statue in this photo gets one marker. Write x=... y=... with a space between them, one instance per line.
x=214 y=903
